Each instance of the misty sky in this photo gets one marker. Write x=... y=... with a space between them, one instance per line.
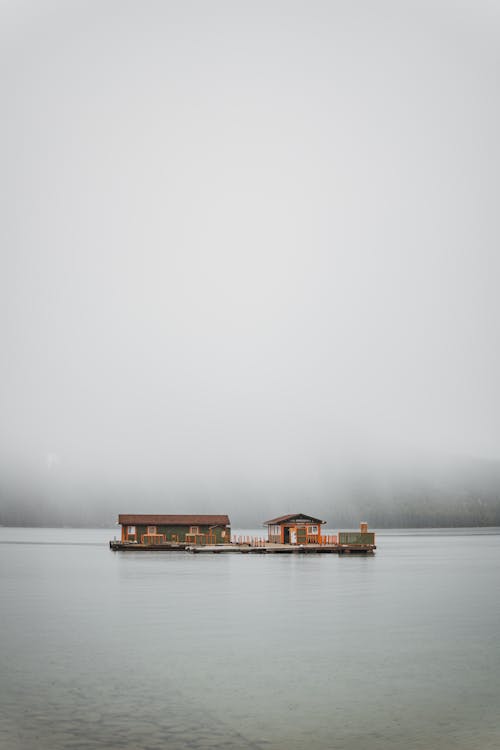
x=247 y=241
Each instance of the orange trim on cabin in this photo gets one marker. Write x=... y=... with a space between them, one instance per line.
x=287 y=529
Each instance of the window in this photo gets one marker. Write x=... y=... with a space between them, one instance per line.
x=131 y=530
x=312 y=529
x=151 y=530
x=194 y=529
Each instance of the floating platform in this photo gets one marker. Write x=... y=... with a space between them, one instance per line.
x=261 y=549
x=135 y=547
x=279 y=549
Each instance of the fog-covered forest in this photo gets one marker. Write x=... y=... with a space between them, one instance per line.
x=458 y=495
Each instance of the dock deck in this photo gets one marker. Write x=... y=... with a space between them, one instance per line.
x=261 y=549
x=280 y=549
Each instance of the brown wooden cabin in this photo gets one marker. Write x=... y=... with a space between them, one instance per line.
x=294 y=528
x=161 y=529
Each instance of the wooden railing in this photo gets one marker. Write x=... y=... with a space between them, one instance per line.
x=201 y=539
x=153 y=539
x=253 y=541
x=328 y=539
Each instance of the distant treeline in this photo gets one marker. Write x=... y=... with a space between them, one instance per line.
x=423 y=513
x=401 y=512
x=460 y=494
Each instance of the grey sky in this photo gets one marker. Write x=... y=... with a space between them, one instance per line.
x=247 y=241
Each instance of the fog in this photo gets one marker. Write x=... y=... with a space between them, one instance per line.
x=249 y=260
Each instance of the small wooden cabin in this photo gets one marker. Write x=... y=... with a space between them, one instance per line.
x=294 y=528
x=160 y=529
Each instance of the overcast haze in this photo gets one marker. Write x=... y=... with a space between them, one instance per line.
x=249 y=250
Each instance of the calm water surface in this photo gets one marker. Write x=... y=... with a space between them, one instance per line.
x=172 y=650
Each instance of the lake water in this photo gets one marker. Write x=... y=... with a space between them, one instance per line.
x=104 y=649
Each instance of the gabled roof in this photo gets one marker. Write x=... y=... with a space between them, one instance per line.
x=290 y=516
x=160 y=520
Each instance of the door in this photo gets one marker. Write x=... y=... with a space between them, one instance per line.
x=293 y=536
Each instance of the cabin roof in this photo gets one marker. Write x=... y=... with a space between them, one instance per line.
x=161 y=520
x=289 y=516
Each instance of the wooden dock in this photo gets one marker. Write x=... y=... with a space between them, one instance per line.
x=284 y=549
x=246 y=549
x=116 y=545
